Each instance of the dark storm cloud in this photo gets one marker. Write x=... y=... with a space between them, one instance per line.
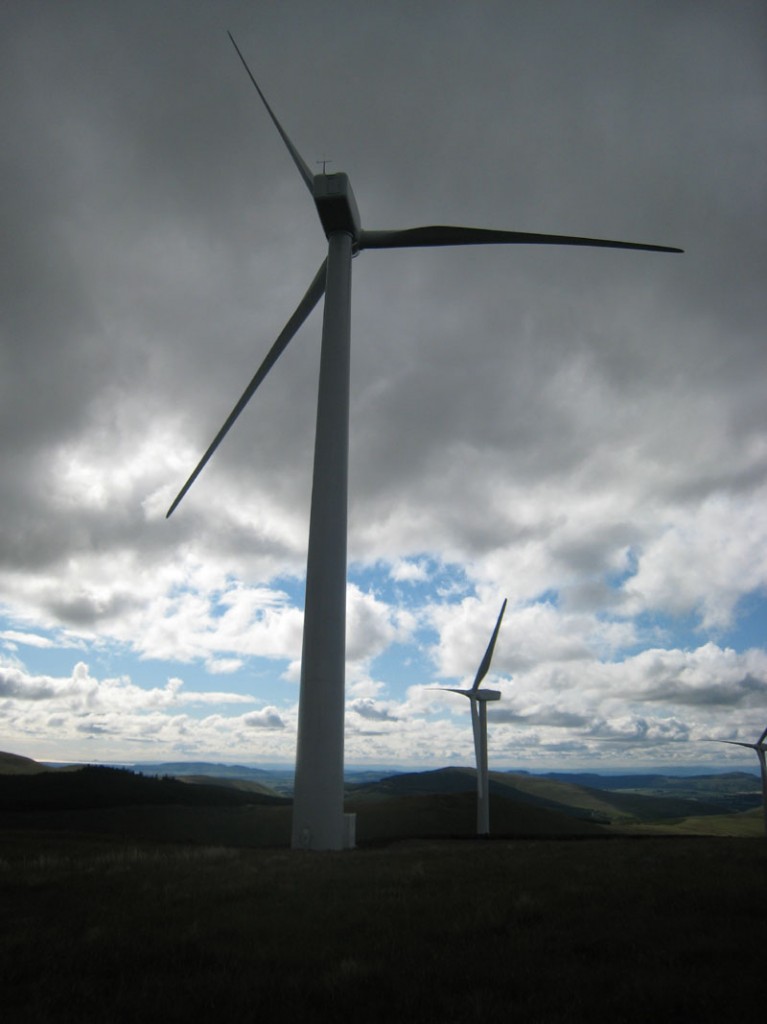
x=639 y=728
x=15 y=685
x=545 y=716
x=85 y=610
x=266 y=719
x=366 y=707
x=746 y=692
x=94 y=729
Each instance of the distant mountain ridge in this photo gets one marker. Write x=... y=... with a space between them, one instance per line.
x=560 y=794
x=645 y=782
x=436 y=802
x=220 y=771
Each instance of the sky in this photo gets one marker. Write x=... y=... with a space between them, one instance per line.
x=581 y=431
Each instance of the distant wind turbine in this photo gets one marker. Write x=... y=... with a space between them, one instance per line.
x=761 y=751
x=318 y=820
x=479 y=699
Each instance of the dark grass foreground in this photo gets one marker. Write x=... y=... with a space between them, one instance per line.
x=529 y=931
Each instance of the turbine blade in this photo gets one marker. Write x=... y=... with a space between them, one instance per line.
x=760 y=741
x=738 y=743
x=304 y=308
x=298 y=160
x=440 y=234
x=485 y=663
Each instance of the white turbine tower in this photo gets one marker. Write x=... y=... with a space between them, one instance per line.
x=761 y=752
x=318 y=804
x=479 y=699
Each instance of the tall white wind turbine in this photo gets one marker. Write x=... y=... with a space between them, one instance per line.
x=761 y=752
x=479 y=699
x=318 y=802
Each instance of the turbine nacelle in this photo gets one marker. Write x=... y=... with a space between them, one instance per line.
x=482 y=695
x=487 y=695
x=336 y=205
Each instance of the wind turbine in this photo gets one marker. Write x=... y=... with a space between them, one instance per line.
x=761 y=752
x=479 y=699
x=318 y=821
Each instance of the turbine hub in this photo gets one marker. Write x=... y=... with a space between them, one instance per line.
x=336 y=205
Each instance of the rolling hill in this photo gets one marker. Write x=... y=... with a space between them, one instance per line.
x=242 y=807
x=562 y=796
x=15 y=764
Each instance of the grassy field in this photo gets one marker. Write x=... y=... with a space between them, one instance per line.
x=631 y=929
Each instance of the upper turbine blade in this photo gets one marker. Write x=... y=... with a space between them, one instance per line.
x=485 y=663
x=304 y=308
x=440 y=234
x=298 y=160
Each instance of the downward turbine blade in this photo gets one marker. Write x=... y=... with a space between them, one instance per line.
x=298 y=160
x=304 y=308
x=485 y=663
x=439 y=234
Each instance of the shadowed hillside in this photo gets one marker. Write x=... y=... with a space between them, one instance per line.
x=455 y=814
x=118 y=802
x=563 y=798
x=98 y=787
x=14 y=764
x=232 y=810
x=604 y=805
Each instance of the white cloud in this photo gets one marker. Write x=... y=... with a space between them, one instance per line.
x=406 y=571
x=704 y=560
x=14 y=637
x=83 y=693
x=372 y=625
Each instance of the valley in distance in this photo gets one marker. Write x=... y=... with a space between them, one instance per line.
x=249 y=806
